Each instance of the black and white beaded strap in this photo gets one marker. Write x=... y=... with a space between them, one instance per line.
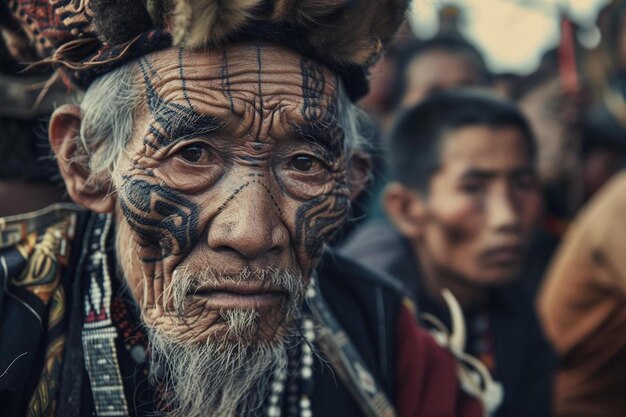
x=99 y=332
x=300 y=387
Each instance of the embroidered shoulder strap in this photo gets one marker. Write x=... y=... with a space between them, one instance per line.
x=346 y=360
x=99 y=332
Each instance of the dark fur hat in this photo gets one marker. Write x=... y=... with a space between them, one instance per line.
x=90 y=37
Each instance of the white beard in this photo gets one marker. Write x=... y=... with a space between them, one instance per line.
x=215 y=380
x=227 y=377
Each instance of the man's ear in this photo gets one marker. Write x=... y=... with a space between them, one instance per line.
x=405 y=208
x=359 y=167
x=63 y=134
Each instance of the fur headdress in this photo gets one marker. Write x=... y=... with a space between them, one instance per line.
x=87 y=38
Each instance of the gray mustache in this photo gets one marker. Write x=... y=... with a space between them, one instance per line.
x=186 y=283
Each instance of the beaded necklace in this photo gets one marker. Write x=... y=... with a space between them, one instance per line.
x=300 y=386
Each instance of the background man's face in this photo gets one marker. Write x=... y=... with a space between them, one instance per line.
x=481 y=205
x=234 y=178
x=438 y=71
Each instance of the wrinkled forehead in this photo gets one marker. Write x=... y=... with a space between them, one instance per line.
x=240 y=78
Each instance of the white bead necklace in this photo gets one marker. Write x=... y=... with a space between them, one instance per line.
x=301 y=403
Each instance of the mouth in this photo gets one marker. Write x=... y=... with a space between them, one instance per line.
x=505 y=255
x=240 y=296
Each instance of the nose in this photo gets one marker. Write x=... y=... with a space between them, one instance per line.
x=503 y=212
x=250 y=224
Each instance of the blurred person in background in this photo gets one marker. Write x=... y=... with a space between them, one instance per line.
x=379 y=103
x=604 y=125
x=438 y=64
x=572 y=107
x=581 y=145
x=422 y=68
x=606 y=64
x=603 y=149
x=582 y=305
x=554 y=113
x=412 y=68
x=555 y=119
x=463 y=204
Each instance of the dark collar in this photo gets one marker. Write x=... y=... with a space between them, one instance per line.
x=405 y=266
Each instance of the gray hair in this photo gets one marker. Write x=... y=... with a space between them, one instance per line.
x=107 y=120
x=107 y=111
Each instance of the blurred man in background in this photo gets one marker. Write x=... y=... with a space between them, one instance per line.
x=421 y=68
x=463 y=203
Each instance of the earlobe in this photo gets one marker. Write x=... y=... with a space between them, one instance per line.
x=359 y=167
x=403 y=207
x=63 y=133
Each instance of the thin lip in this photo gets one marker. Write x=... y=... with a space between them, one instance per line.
x=259 y=301
x=239 y=289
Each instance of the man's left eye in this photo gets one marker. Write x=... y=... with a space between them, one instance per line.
x=303 y=163
x=193 y=153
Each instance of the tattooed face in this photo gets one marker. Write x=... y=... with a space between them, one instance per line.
x=232 y=182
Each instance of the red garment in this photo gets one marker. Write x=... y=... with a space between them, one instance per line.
x=427 y=380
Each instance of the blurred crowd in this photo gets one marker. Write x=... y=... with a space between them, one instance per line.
x=503 y=189
x=506 y=190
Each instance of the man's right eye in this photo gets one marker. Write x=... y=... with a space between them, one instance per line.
x=471 y=187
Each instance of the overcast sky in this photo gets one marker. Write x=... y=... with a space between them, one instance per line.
x=513 y=34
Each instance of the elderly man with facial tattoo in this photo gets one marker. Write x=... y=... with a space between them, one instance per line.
x=214 y=155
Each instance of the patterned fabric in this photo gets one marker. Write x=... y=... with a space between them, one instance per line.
x=33 y=250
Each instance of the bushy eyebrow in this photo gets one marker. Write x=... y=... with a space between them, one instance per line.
x=179 y=123
x=172 y=121
x=485 y=174
x=328 y=136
